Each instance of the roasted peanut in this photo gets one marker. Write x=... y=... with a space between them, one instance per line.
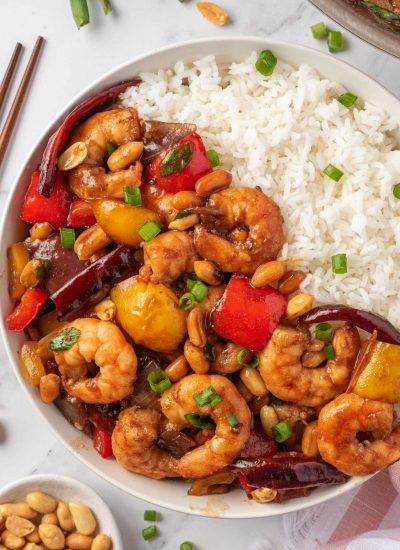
x=196 y=358
x=312 y=359
x=207 y=271
x=213 y=182
x=31 y=546
x=316 y=345
x=264 y=494
x=298 y=305
x=32 y=273
x=50 y=387
x=21 y=509
x=309 y=444
x=52 y=536
x=34 y=536
x=268 y=418
x=73 y=156
x=42 y=503
x=124 y=155
x=184 y=223
x=91 y=241
x=77 y=541
x=84 y=520
x=12 y=541
x=213 y=13
x=50 y=519
x=40 y=230
x=291 y=281
x=195 y=325
x=20 y=527
x=252 y=380
x=101 y=542
x=64 y=517
x=244 y=391
x=178 y=369
x=268 y=273
x=186 y=199
x=106 y=310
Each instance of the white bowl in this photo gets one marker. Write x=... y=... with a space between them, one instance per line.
x=68 y=490
x=172 y=493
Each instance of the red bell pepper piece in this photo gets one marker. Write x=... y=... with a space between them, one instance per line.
x=247 y=315
x=102 y=443
x=31 y=303
x=54 y=209
x=81 y=214
x=195 y=162
x=103 y=417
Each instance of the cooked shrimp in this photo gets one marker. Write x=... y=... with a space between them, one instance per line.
x=103 y=343
x=134 y=444
x=342 y=419
x=157 y=199
x=284 y=375
x=90 y=180
x=169 y=256
x=240 y=229
x=227 y=442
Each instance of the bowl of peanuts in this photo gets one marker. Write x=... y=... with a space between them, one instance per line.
x=55 y=513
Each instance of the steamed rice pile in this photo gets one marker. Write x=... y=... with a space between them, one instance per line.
x=280 y=133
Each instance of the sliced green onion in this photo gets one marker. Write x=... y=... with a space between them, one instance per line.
x=266 y=62
x=396 y=190
x=335 y=41
x=381 y=12
x=110 y=147
x=199 y=290
x=323 y=331
x=150 y=515
x=233 y=421
x=106 y=5
x=186 y=301
x=67 y=236
x=199 y=420
x=245 y=352
x=65 y=339
x=80 y=12
x=182 y=214
x=208 y=396
x=149 y=532
x=186 y=545
x=158 y=381
x=347 y=99
x=319 y=30
x=332 y=172
x=176 y=160
x=132 y=195
x=281 y=432
x=150 y=229
x=213 y=157
x=329 y=351
x=339 y=264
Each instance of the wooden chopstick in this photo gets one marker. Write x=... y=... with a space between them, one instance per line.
x=9 y=73
x=12 y=116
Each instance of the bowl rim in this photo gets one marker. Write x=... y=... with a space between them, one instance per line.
x=296 y=504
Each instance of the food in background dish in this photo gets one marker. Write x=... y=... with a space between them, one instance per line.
x=386 y=10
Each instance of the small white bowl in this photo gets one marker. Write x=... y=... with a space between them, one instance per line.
x=68 y=490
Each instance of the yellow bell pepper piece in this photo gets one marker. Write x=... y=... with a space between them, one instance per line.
x=31 y=364
x=17 y=257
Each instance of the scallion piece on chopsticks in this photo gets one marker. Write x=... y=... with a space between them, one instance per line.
x=335 y=41
x=149 y=532
x=333 y=172
x=67 y=237
x=319 y=30
x=266 y=62
x=110 y=147
x=186 y=301
x=106 y=5
x=132 y=195
x=233 y=421
x=158 y=381
x=244 y=352
x=213 y=157
x=339 y=264
x=150 y=229
x=396 y=190
x=199 y=420
x=347 y=99
x=208 y=396
x=329 y=351
x=150 y=515
x=281 y=432
x=80 y=12
x=323 y=331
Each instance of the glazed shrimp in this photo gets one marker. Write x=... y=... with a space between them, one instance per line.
x=134 y=444
x=285 y=376
x=240 y=229
x=167 y=205
x=342 y=419
x=90 y=180
x=103 y=343
x=226 y=444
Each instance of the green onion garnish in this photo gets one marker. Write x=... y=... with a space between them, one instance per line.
x=132 y=195
x=199 y=420
x=233 y=421
x=65 y=339
x=332 y=172
x=335 y=41
x=319 y=30
x=186 y=546
x=106 y=5
x=80 y=12
x=110 y=147
x=266 y=62
x=150 y=515
x=158 y=381
x=208 y=396
x=182 y=214
x=329 y=351
x=281 y=432
x=339 y=264
x=347 y=99
x=150 y=229
x=186 y=301
x=396 y=190
x=199 y=290
x=323 y=331
x=67 y=236
x=213 y=157
x=245 y=352
x=176 y=160
x=149 y=532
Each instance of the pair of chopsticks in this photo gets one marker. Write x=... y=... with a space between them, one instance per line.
x=9 y=124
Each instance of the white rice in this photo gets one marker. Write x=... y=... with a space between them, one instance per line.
x=280 y=133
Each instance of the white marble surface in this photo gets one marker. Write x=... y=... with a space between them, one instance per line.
x=70 y=61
